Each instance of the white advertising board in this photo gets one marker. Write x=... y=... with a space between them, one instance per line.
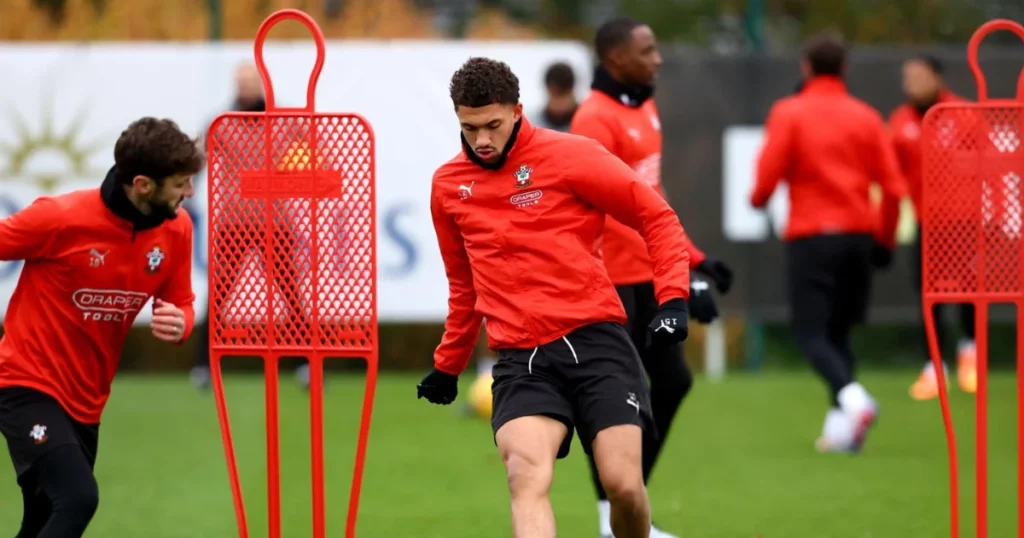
x=62 y=108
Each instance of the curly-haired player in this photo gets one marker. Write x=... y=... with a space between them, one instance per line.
x=519 y=214
x=93 y=259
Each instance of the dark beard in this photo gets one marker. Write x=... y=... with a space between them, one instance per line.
x=162 y=211
x=923 y=106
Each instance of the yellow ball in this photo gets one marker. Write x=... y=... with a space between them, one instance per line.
x=480 y=401
x=298 y=158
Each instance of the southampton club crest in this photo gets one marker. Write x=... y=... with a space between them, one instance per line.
x=38 y=434
x=153 y=259
x=523 y=177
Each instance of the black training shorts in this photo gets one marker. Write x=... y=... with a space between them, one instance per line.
x=34 y=423
x=590 y=379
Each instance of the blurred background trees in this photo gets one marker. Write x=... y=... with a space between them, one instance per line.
x=725 y=25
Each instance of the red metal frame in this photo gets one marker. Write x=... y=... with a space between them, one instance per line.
x=350 y=331
x=977 y=243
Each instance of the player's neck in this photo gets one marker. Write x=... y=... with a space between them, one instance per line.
x=611 y=83
x=122 y=203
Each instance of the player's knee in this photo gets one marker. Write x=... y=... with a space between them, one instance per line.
x=66 y=478
x=78 y=502
x=529 y=475
x=624 y=486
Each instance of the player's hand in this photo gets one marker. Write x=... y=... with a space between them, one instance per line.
x=669 y=325
x=881 y=256
x=438 y=387
x=718 y=272
x=702 y=304
x=168 y=322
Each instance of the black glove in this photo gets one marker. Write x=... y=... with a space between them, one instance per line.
x=438 y=387
x=718 y=272
x=881 y=256
x=702 y=304
x=669 y=325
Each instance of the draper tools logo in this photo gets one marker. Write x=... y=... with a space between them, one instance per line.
x=109 y=305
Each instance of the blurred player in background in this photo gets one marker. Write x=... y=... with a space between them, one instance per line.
x=620 y=114
x=93 y=258
x=560 y=83
x=249 y=97
x=518 y=215
x=924 y=87
x=830 y=148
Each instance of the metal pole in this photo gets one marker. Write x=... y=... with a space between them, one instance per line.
x=754 y=333
x=216 y=12
x=754 y=23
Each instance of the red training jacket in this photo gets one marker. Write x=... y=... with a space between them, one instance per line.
x=87 y=274
x=905 y=132
x=829 y=147
x=520 y=244
x=633 y=135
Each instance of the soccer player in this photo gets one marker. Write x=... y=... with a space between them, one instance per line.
x=620 y=113
x=924 y=88
x=560 y=83
x=93 y=258
x=519 y=213
x=830 y=147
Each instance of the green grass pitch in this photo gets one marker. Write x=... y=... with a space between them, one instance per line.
x=739 y=463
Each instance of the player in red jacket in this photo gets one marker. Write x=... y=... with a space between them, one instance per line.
x=518 y=215
x=924 y=88
x=620 y=113
x=93 y=258
x=830 y=148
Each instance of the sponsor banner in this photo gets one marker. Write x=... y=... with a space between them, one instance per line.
x=63 y=107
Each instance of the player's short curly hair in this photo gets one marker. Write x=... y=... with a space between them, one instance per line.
x=157 y=149
x=483 y=81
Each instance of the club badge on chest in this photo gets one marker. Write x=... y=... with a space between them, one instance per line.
x=154 y=259
x=523 y=177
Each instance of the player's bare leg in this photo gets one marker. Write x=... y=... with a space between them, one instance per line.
x=528 y=447
x=618 y=455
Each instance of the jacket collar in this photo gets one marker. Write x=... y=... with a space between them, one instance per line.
x=631 y=96
x=116 y=200
x=257 y=105
x=522 y=132
x=824 y=84
x=558 y=122
x=944 y=96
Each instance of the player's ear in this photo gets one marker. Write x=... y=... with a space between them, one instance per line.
x=517 y=111
x=143 y=184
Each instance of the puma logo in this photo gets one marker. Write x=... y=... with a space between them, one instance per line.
x=465 y=191
x=632 y=401
x=97 y=258
x=668 y=327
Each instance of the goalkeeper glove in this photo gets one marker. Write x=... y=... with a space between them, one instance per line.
x=438 y=387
